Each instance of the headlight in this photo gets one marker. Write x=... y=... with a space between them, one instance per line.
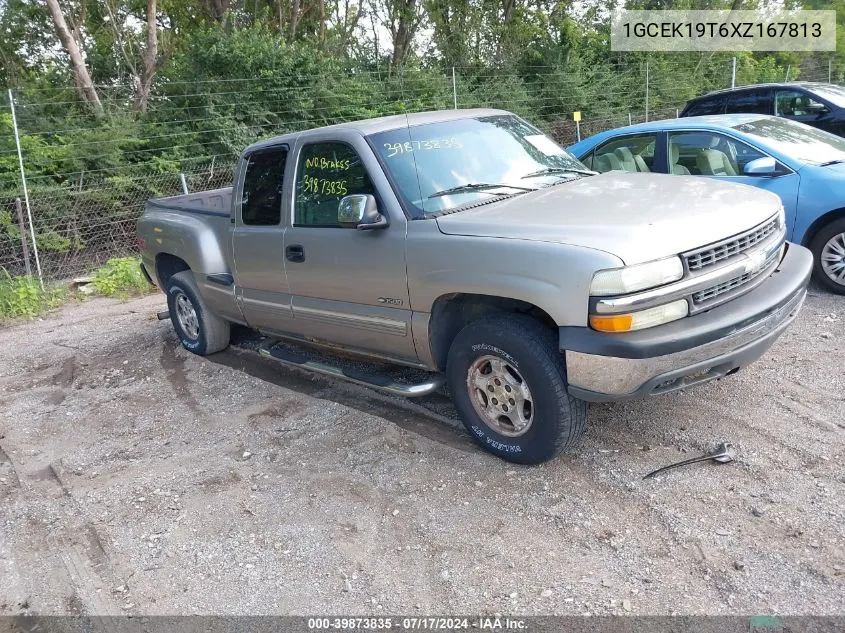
x=620 y=281
x=642 y=319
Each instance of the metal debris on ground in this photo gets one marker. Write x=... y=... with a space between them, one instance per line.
x=723 y=454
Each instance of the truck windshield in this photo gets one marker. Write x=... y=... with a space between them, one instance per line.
x=442 y=166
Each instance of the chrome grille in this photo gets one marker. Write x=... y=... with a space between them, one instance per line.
x=720 y=289
x=726 y=287
x=721 y=251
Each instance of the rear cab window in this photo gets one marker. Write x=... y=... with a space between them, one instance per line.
x=261 y=199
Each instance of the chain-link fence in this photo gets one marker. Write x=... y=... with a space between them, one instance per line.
x=88 y=179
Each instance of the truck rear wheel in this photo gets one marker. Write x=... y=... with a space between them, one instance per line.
x=508 y=382
x=200 y=331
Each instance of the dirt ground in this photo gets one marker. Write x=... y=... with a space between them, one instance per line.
x=137 y=478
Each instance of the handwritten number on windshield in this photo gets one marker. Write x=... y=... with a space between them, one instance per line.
x=394 y=149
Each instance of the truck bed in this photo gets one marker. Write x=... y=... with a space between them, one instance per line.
x=211 y=202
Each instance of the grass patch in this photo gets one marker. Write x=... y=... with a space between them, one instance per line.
x=121 y=277
x=23 y=297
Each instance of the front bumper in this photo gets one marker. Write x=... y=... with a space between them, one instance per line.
x=604 y=367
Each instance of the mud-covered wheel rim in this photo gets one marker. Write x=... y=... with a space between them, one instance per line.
x=500 y=396
x=833 y=258
x=187 y=316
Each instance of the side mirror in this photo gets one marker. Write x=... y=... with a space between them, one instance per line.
x=361 y=212
x=765 y=166
x=815 y=107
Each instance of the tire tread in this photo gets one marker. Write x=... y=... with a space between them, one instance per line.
x=544 y=352
x=215 y=330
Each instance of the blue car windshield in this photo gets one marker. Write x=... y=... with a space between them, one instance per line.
x=796 y=140
x=442 y=166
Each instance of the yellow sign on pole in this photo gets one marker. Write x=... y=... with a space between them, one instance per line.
x=576 y=116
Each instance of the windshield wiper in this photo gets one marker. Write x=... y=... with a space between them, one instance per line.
x=559 y=170
x=833 y=162
x=480 y=186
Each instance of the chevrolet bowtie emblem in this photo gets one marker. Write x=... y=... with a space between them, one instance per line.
x=755 y=261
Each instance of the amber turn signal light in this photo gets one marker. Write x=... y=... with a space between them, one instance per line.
x=615 y=323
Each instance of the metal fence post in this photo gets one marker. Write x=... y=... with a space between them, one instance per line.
x=454 y=88
x=733 y=74
x=829 y=73
x=25 y=191
x=22 y=228
x=646 y=91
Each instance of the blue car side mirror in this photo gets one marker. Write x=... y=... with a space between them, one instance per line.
x=765 y=166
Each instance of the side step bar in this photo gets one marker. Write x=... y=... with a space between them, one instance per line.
x=382 y=383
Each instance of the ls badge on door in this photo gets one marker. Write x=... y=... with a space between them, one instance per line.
x=390 y=301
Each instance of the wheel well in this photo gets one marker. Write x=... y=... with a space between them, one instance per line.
x=452 y=312
x=820 y=223
x=168 y=265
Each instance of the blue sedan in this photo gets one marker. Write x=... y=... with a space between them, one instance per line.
x=803 y=165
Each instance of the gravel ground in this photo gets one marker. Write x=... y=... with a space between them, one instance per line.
x=136 y=478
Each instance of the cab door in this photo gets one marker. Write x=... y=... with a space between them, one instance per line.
x=258 y=237
x=348 y=286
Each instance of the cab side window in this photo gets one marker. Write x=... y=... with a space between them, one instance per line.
x=326 y=173
x=261 y=204
x=630 y=153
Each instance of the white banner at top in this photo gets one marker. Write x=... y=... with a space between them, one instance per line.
x=657 y=30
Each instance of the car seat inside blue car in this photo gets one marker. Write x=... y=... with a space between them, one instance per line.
x=675 y=167
x=713 y=162
x=626 y=158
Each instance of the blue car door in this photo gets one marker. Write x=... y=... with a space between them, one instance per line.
x=717 y=155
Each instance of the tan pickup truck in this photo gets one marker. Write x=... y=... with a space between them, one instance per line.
x=469 y=244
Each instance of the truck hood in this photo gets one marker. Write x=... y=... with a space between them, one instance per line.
x=637 y=217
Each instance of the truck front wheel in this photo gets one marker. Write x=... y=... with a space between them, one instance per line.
x=508 y=382
x=200 y=331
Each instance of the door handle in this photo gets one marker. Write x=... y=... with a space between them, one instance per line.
x=294 y=253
